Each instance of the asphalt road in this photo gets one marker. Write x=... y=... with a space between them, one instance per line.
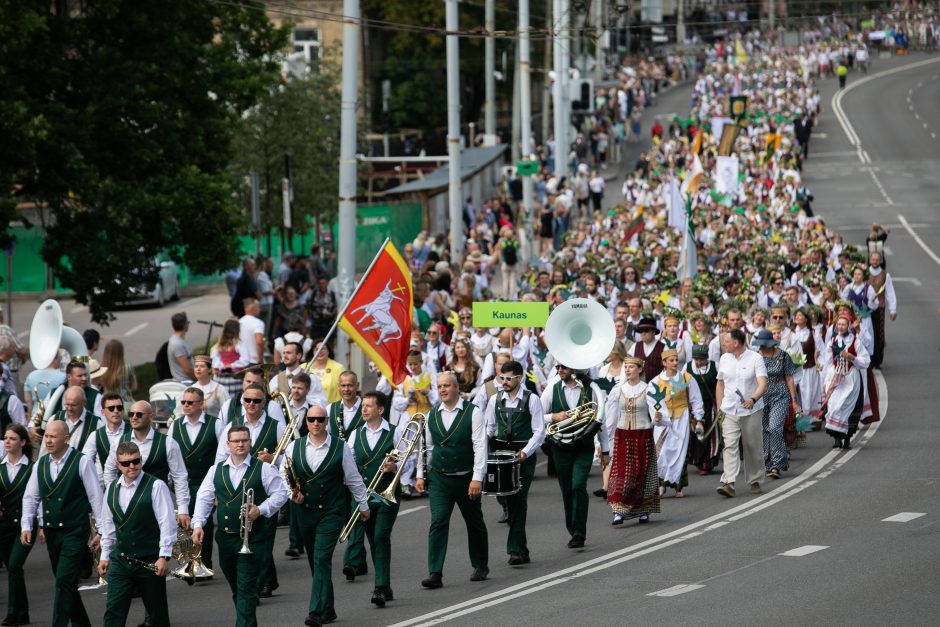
x=815 y=548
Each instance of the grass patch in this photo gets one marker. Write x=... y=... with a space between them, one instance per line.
x=146 y=377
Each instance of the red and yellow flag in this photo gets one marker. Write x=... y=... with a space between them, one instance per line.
x=378 y=316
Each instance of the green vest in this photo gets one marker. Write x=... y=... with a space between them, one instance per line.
x=103 y=443
x=453 y=449
x=5 y=418
x=233 y=407
x=137 y=529
x=11 y=494
x=369 y=460
x=91 y=395
x=513 y=424
x=198 y=455
x=88 y=427
x=267 y=439
x=229 y=498
x=324 y=489
x=65 y=503
x=337 y=429
x=706 y=384
x=560 y=401
x=157 y=463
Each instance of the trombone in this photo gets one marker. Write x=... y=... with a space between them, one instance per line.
x=404 y=448
x=248 y=499
x=292 y=424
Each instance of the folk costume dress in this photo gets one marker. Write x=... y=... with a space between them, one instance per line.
x=810 y=385
x=844 y=383
x=633 y=487
x=706 y=453
x=682 y=394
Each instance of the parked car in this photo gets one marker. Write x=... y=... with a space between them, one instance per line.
x=167 y=287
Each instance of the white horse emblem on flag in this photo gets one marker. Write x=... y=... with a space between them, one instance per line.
x=380 y=310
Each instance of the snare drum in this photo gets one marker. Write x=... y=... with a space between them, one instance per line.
x=502 y=474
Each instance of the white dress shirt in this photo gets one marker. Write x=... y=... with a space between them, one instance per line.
x=274 y=410
x=254 y=430
x=86 y=469
x=478 y=437
x=193 y=428
x=537 y=419
x=315 y=395
x=316 y=453
x=740 y=375
x=162 y=510
x=270 y=478
x=349 y=413
x=373 y=437
x=75 y=430
x=174 y=459
x=90 y=450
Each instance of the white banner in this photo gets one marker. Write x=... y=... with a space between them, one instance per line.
x=718 y=123
x=726 y=175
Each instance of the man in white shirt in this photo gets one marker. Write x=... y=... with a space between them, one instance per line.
x=455 y=439
x=233 y=409
x=251 y=331
x=291 y=358
x=131 y=505
x=99 y=446
x=81 y=425
x=742 y=379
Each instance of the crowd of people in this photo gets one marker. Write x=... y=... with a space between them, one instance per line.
x=743 y=324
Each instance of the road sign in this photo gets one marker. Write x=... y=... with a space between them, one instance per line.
x=524 y=168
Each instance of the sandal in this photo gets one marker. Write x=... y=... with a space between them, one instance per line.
x=774 y=473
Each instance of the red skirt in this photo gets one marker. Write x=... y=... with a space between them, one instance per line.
x=633 y=487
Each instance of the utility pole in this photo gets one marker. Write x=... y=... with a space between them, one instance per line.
x=489 y=106
x=565 y=45
x=451 y=19
x=546 y=89
x=525 y=113
x=560 y=35
x=516 y=133
x=346 y=240
x=598 y=43
x=771 y=13
x=680 y=24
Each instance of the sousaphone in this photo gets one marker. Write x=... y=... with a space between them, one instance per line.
x=48 y=334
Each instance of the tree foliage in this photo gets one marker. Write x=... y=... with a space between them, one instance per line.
x=300 y=118
x=123 y=114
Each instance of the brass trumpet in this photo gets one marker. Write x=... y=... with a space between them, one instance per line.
x=404 y=448
x=248 y=499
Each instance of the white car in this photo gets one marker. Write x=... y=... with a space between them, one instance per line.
x=167 y=287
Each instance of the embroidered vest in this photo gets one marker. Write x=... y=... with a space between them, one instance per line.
x=877 y=281
x=229 y=498
x=136 y=529
x=11 y=494
x=198 y=454
x=453 y=448
x=677 y=401
x=653 y=363
x=156 y=463
x=65 y=504
x=324 y=489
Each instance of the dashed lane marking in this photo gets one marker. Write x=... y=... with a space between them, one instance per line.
x=903 y=517
x=139 y=327
x=917 y=238
x=804 y=550
x=682 y=588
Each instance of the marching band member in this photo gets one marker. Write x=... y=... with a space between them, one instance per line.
x=299 y=387
x=197 y=434
x=370 y=444
x=633 y=487
x=671 y=415
x=15 y=470
x=228 y=482
x=265 y=432
x=484 y=393
x=162 y=456
x=63 y=483
x=573 y=462
x=320 y=471
x=98 y=447
x=456 y=445
x=291 y=357
x=233 y=410
x=76 y=375
x=81 y=424
x=137 y=527
x=213 y=392
x=346 y=413
x=514 y=422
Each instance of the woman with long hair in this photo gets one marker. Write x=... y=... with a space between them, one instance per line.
x=119 y=377
x=14 y=475
x=228 y=357
x=466 y=367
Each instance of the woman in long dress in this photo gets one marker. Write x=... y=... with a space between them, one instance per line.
x=810 y=384
x=846 y=361
x=633 y=487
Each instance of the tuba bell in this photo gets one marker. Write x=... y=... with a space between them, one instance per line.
x=47 y=334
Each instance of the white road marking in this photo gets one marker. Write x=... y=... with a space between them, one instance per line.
x=191 y=301
x=682 y=588
x=934 y=135
x=412 y=510
x=917 y=239
x=925 y=125
x=909 y=99
x=22 y=334
x=916 y=115
x=888 y=251
x=903 y=517
x=79 y=308
x=867 y=227
x=905 y=279
x=881 y=188
x=139 y=327
x=821 y=135
x=804 y=550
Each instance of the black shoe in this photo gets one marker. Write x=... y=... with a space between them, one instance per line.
x=576 y=543
x=328 y=617
x=146 y=623
x=313 y=620
x=515 y=559
x=602 y=493
x=292 y=552
x=350 y=572
x=479 y=574
x=846 y=446
x=645 y=518
x=433 y=581
x=837 y=444
x=266 y=592
x=389 y=595
x=13 y=620
x=504 y=517
x=378 y=597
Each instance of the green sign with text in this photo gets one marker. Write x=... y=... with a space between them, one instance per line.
x=527 y=167
x=496 y=314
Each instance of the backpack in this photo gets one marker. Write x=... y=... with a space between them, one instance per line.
x=510 y=254
x=162 y=362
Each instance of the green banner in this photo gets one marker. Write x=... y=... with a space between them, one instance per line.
x=738 y=106
x=524 y=168
x=496 y=314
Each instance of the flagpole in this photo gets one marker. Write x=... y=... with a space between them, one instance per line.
x=342 y=312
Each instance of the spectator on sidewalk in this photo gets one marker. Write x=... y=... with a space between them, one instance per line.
x=178 y=351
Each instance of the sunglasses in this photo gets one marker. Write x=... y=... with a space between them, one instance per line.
x=252 y=401
x=316 y=418
x=777 y=317
x=130 y=462
x=185 y=402
x=115 y=407
x=508 y=378
x=136 y=414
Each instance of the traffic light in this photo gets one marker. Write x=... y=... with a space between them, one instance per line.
x=582 y=95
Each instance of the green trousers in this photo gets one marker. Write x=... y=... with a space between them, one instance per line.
x=445 y=492
x=14 y=555
x=573 y=467
x=378 y=530
x=208 y=528
x=293 y=515
x=518 y=507
x=320 y=531
x=267 y=572
x=241 y=572
x=124 y=579
x=67 y=548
